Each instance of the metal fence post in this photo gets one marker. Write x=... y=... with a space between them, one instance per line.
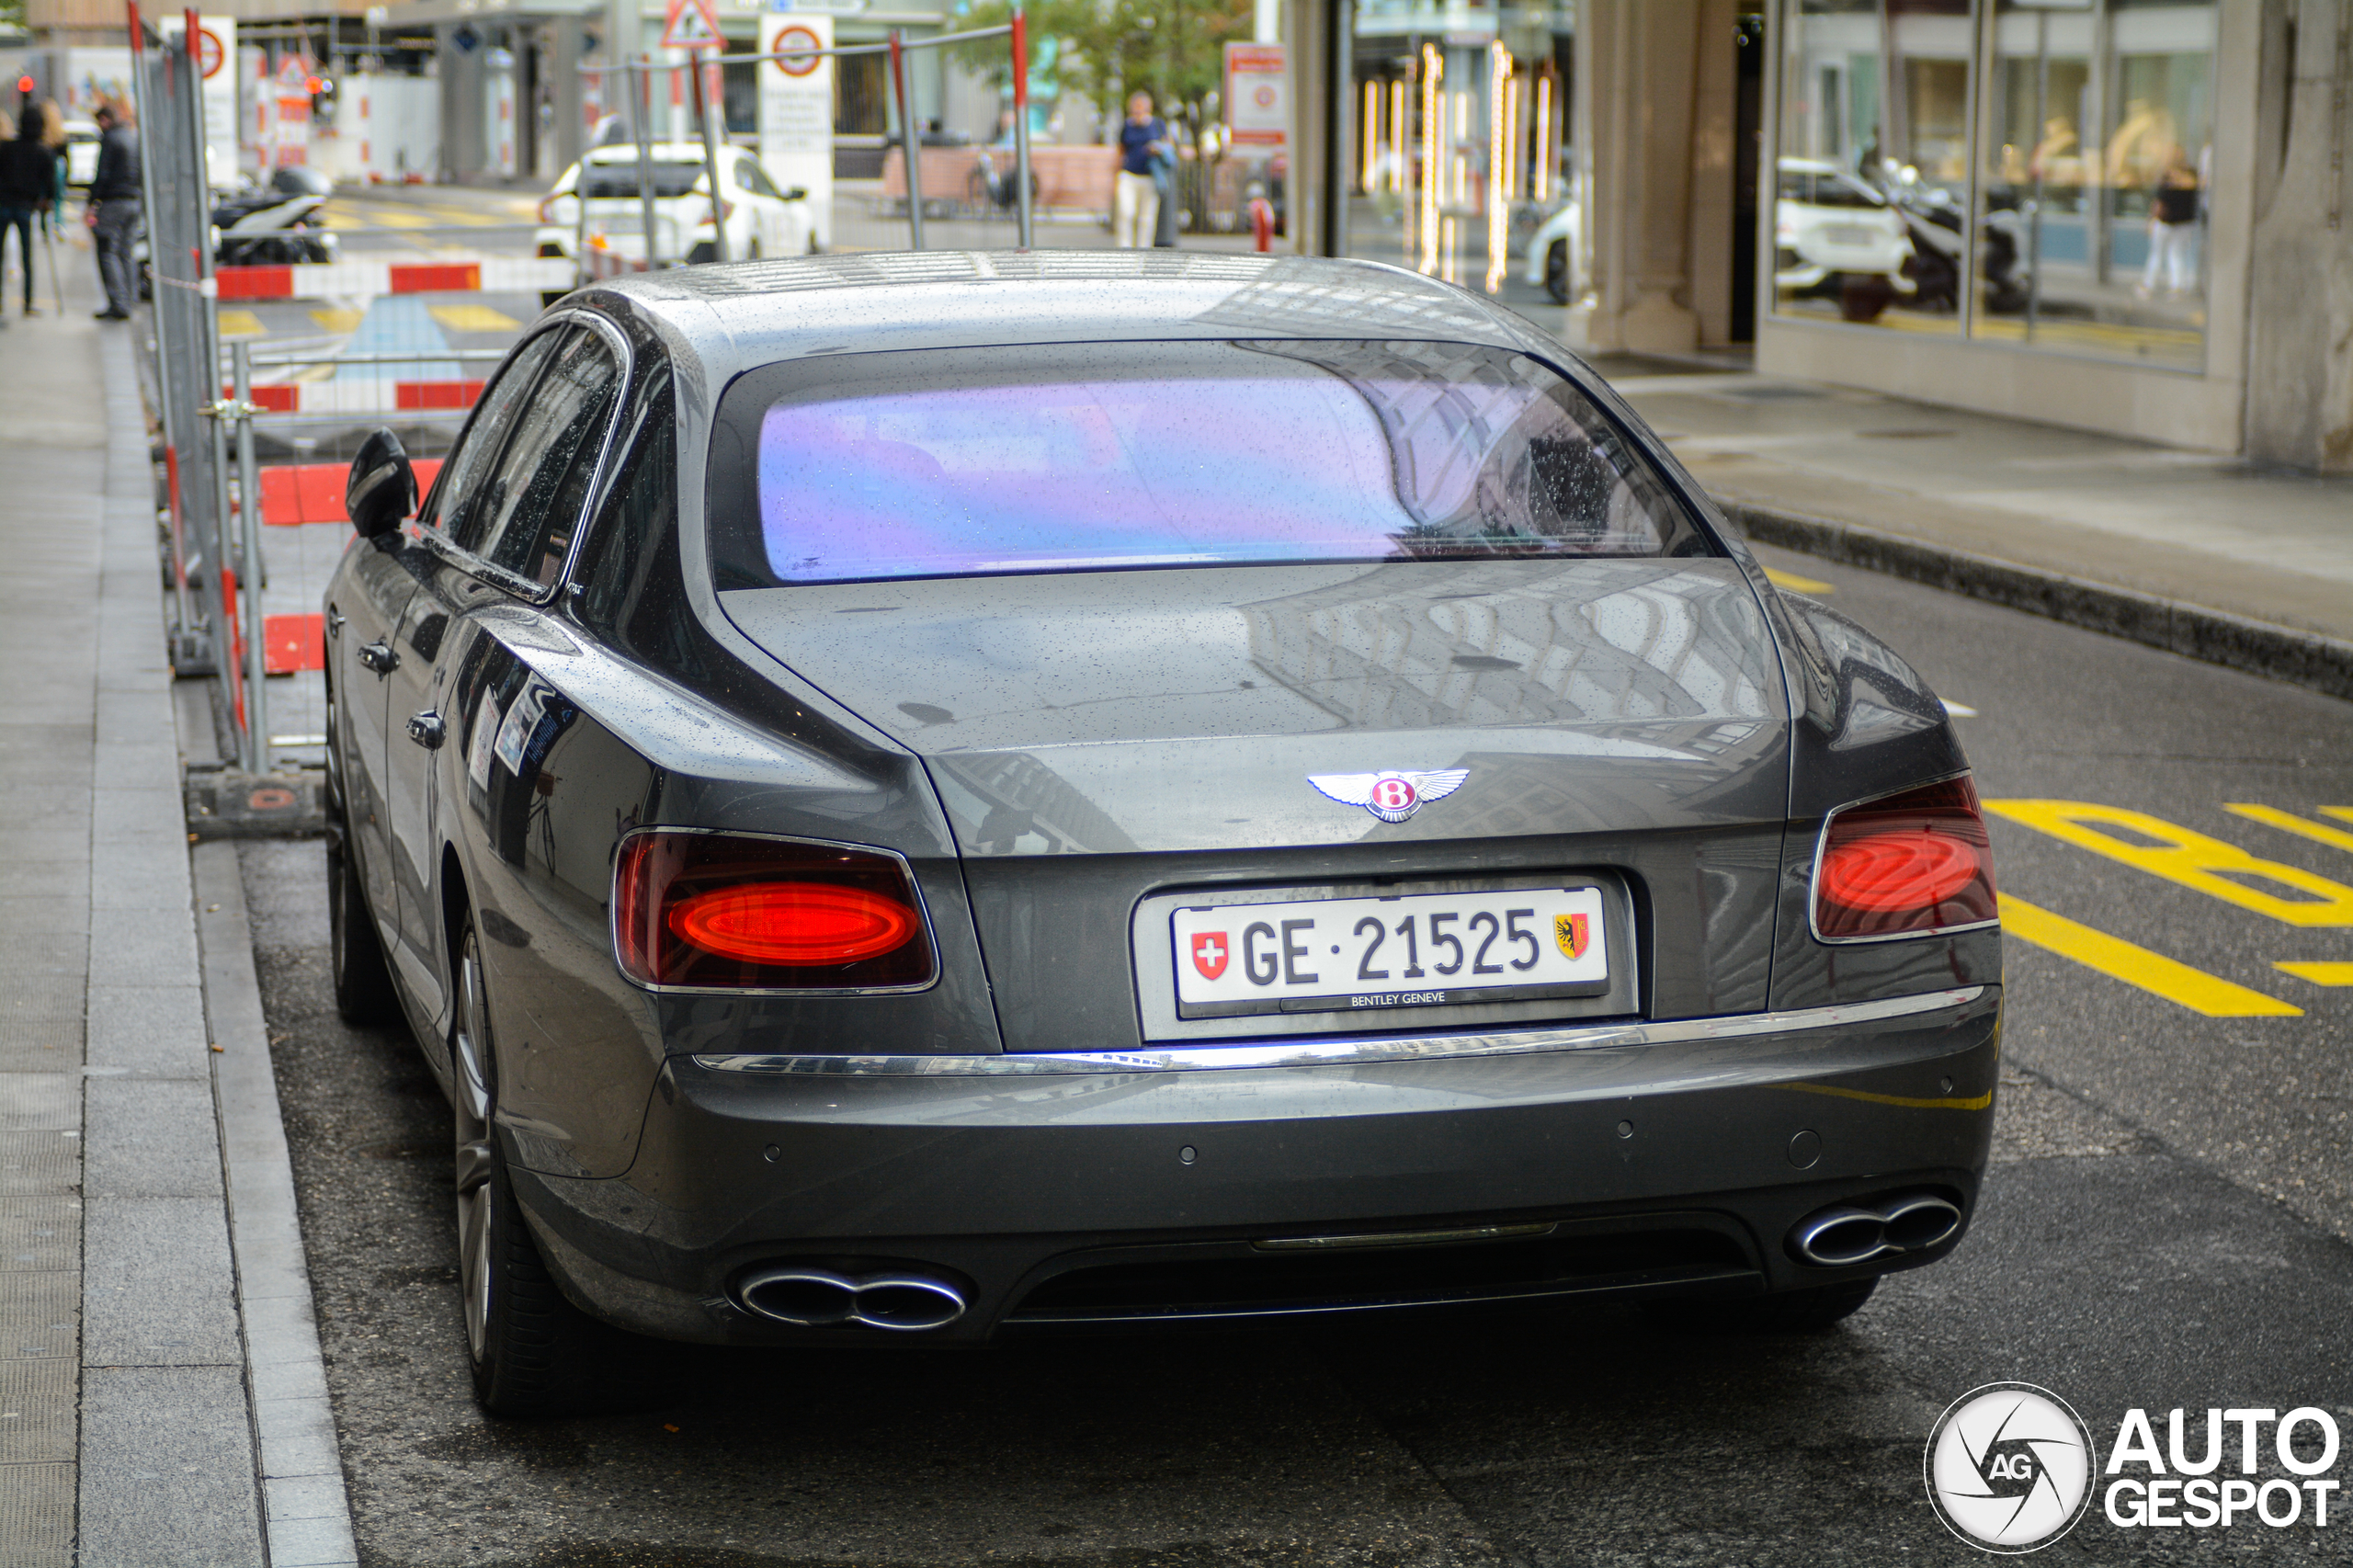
x=909 y=139
x=640 y=111
x=1021 y=120
x=257 y=747
x=710 y=165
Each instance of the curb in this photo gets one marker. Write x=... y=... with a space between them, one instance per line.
x=2215 y=637
x=306 y=1516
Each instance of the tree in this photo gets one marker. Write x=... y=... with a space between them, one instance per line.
x=1172 y=49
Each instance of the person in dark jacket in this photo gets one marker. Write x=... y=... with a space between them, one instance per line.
x=28 y=179
x=116 y=198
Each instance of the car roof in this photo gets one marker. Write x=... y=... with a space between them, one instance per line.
x=738 y=317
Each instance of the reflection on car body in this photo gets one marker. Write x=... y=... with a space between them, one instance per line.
x=883 y=697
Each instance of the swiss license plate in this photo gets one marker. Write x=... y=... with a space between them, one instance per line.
x=1365 y=954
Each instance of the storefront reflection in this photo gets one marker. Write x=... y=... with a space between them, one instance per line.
x=2082 y=230
x=1462 y=115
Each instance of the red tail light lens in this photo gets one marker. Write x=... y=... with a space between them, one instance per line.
x=727 y=912
x=1904 y=865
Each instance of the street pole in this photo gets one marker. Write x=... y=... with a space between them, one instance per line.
x=908 y=139
x=711 y=163
x=1021 y=120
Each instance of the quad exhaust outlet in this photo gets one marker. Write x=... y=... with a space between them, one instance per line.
x=1840 y=1237
x=818 y=1297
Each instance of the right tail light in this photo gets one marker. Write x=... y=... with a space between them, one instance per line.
x=1913 y=864
x=734 y=912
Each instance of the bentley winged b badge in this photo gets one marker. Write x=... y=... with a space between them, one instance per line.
x=1392 y=796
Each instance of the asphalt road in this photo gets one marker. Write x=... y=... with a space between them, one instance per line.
x=2166 y=1226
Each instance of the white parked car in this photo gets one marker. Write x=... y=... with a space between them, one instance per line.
x=760 y=218
x=1550 y=258
x=82 y=138
x=1828 y=225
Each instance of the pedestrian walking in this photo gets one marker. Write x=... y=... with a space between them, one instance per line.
x=1135 y=202
x=116 y=209
x=28 y=184
x=2173 y=227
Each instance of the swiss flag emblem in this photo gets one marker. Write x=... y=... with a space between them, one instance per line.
x=1209 y=953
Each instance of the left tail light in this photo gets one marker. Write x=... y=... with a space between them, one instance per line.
x=715 y=214
x=717 y=910
x=1907 y=865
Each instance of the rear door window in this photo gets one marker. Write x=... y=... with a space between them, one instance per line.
x=451 y=507
x=616 y=181
x=531 y=498
x=1105 y=456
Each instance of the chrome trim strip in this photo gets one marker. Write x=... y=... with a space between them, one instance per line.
x=1354 y=1052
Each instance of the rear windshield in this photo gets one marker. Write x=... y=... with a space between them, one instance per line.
x=1087 y=457
x=606 y=181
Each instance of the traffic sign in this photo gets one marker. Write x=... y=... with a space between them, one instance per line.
x=791 y=37
x=691 y=24
x=209 y=54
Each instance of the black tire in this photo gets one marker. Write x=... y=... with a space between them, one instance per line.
x=1807 y=1311
x=1556 y=270
x=363 y=982
x=530 y=1351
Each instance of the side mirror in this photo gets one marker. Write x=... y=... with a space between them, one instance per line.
x=796 y=193
x=381 y=491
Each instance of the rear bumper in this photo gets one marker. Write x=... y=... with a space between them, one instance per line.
x=1063 y=1195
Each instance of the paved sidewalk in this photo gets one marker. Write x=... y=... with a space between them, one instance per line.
x=1955 y=498
x=155 y=1406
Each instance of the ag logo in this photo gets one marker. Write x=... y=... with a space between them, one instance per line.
x=1571 y=932
x=2009 y=1468
x=1209 y=953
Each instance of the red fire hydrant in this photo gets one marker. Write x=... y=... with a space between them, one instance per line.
x=1262 y=224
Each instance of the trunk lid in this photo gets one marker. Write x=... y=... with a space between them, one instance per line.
x=1101 y=737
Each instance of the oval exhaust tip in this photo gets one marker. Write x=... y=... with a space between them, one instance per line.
x=817 y=1298
x=1836 y=1237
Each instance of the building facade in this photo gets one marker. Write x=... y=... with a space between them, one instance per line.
x=2132 y=216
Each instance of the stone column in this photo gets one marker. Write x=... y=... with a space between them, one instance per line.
x=2300 y=341
x=1637 y=80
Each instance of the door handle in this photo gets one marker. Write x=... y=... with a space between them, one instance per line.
x=380 y=657
x=426 y=730
x=334 y=623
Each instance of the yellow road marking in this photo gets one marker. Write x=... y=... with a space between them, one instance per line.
x=2342 y=812
x=1975 y=1102
x=242 y=324
x=2319 y=833
x=337 y=321
x=1796 y=583
x=2320 y=974
x=2152 y=972
x=473 y=318
x=2189 y=858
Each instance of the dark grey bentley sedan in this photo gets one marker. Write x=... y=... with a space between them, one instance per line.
x=918 y=798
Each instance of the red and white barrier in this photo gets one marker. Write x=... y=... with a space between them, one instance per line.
x=296 y=494
x=334 y=280
x=386 y=396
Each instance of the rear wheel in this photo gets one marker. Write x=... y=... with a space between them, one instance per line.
x=363 y=982
x=528 y=1348
x=1556 y=271
x=1806 y=1311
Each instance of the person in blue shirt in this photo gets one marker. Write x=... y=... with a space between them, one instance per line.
x=1135 y=204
